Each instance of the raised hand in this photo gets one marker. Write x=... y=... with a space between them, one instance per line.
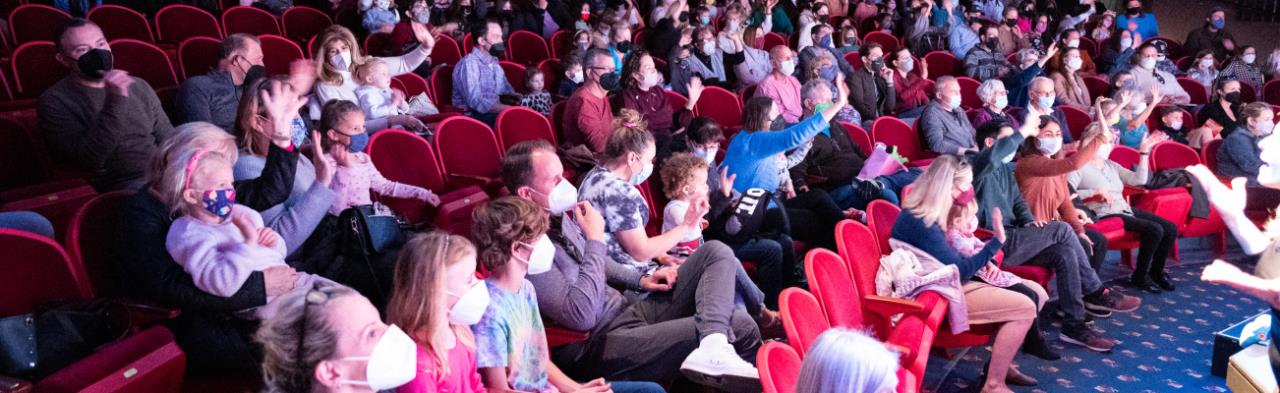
x=698 y=207
x=423 y=35
x=324 y=172
x=695 y=90
x=302 y=74
x=726 y=181
x=118 y=82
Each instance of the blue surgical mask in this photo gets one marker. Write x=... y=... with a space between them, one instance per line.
x=219 y=202
x=708 y=155
x=1218 y=23
x=829 y=73
x=954 y=102
x=1045 y=102
x=1050 y=145
x=638 y=178
x=358 y=142
x=706 y=20
x=825 y=41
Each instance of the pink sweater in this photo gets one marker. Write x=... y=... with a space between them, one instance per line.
x=353 y=184
x=462 y=377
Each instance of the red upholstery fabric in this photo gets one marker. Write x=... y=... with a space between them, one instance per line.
x=38 y=274
x=551 y=75
x=1077 y=120
x=943 y=63
x=469 y=153
x=859 y=136
x=880 y=216
x=442 y=86
x=527 y=48
x=279 y=53
x=722 y=106
x=412 y=84
x=146 y=61
x=90 y=236
x=833 y=286
x=301 y=23
x=120 y=22
x=176 y=23
x=35 y=68
x=1125 y=156
x=1271 y=92
x=886 y=40
x=802 y=318
x=379 y=44
x=56 y=201
x=1198 y=92
x=893 y=132
x=969 y=92
x=1097 y=86
x=772 y=39
x=519 y=124
x=198 y=55
x=858 y=246
x=561 y=43
x=446 y=51
x=779 y=366
x=1209 y=154
x=404 y=157
x=251 y=20
x=36 y=22
x=515 y=75
x=1170 y=155
x=146 y=362
x=676 y=100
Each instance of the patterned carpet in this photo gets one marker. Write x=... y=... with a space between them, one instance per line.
x=1165 y=346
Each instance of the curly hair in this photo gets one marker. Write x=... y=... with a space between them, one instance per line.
x=678 y=170
x=504 y=221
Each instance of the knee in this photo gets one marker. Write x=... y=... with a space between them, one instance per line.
x=28 y=222
x=746 y=333
x=1042 y=295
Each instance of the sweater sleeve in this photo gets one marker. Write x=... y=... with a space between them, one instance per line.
x=932 y=240
x=935 y=131
x=384 y=187
x=295 y=223
x=218 y=269
x=374 y=104
x=86 y=147
x=407 y=62
x=766 y=144
x=1041 y=166
x=574 y=302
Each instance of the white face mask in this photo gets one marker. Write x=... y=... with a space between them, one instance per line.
x=1149 y=63
x=470 y=306
x=393 y=362
x=1176 y=125
x=906 y=65
x=1139 y=107
x=1206 y=63
x=954 y=102
x=340 y=60
x=1248 y=59
x=1125 y=43
x=644 y=174
x=1049 y=145
x=1073 y=43
x=1075 y=63
x=1269 y=173
x=562 y=198
x=542 y=256
x=708 y=47
x=1001 y=103
x=576 y=76
x=650 y=80
x=708 y=155
x=788 y=67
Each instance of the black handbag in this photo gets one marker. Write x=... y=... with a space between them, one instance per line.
x=33 y=346
x=18 y=345
x=369 y=232
x=745 y=220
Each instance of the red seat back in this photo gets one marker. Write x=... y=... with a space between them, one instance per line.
x=198 y=55
x=278 y=53
x=855 y=59
x=515 y=75
x=120 y=22
x=379 y=44
x=1247 y=93
x=527 y=48
x=1170 y=154
x=36 y=22
x=779 y=367
x=860 y=137
x=720 y=105
x=22 y=158
x=446 y=51
x=802 y=318
x=35 y=68
x=149 y=361
x=442 y=85
x=38 y=273
x=551 y=74
x=1077 y=120
x=561 y=43
x=301 y=23
x=176 y=23
x=676 y=100
x=146 y=61
x=250 y=20
x=894 y=133
x=833 y=286
x=1271 y=92
x=1097 y=86
x=468 y=150
x=886 y=40
x=519 y=124
x=772 y=39
x=969 y=92
x=1209 y=154
x=860 y=250
x=1125 y=156
x=557 y=118
x=943 y=63
x=1088 y=45
x=90 y=236
x=1199 y=94
x=412 y=84
x=467 y=44
x=404 y=157
x=880 y=215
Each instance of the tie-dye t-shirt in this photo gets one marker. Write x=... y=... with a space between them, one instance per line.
x=511 y=336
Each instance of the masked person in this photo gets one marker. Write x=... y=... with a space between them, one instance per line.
x=213 y=97
x=101 y=121
x=588 y=116
x=478 y=80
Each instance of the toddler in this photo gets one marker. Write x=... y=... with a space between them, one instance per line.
x=219 y=243
x=573 y=76
x=538 y=98
x=377 y=98
x=684 y=178
x=355 y=176
x=380 y=16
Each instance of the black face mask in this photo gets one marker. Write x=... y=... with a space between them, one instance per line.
x=498 y=49
x=610 y=81
x=1134 y=11
x=993 y=42
x=1232 y=97
x=876 y=65
x=684 y=17
x=1011 y=22
x=623 y=46
x=94 y=63
x=254 y=73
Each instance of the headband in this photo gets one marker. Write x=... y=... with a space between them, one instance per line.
x=191 y=167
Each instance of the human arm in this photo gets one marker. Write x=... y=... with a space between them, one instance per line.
x=406 y=63
x=376 y=105
x=161 y=128
x=641 y=247
x=217 y=269
x=1041 y=166
x=933 y=241
x=1230 y=203
x=295 y=222
x=275 y=183
x=381 y=186
x=574 y=301
x=87 y=143
x=1222 y=272
x=935 y=131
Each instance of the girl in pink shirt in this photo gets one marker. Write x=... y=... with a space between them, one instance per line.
x=355 y=178
x=437 y=297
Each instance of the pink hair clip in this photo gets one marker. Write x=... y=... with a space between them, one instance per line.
x=191 y=167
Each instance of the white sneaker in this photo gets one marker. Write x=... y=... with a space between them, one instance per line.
x=715 y=363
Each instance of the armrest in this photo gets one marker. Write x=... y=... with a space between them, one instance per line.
x=14 y=385
x=886 y=307
x=558 y=336
x=483 y=179
x=137 y=316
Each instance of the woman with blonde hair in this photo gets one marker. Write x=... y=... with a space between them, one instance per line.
x=338 y=57
x=436 y=300
x=847 y=361
x=923 y=225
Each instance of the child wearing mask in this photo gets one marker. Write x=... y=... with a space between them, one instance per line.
x=380 y=16
x=436 y=300
x=355 y=177
x=218 y=242
x=537 y=97
x=573 y=76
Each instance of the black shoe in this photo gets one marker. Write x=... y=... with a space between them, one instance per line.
x=1161 y=279
x=1088 y=315
x=1144 y=285
x=868 y=190
x=1040 y=349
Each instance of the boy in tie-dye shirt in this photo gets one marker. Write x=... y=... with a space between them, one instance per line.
x=511 y=336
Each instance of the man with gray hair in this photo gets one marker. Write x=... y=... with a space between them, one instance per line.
x=588 y=116
x=836 y=160
x=1042 y=97
x=214 y=97
x=1030 y=65
x=945 y=125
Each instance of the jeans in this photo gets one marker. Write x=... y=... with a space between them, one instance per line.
x=775 y=265
x=891 y=186
x=1158 y=237
x=1055 y=246
x=27 y=222
x=635 y=387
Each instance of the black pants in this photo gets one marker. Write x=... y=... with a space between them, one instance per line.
x=775 y=260
x=1158 y=238
x=812 y=216
x=1097 y=253
x=323 y=254
x=1035 y=336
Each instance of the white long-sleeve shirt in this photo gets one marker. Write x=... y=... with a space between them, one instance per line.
x=376 y=102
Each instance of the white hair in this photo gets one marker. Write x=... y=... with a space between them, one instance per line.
x=987 y=90
x=846 y=361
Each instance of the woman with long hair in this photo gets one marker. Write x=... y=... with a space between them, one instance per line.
x=1041 y=172
x=340 y=54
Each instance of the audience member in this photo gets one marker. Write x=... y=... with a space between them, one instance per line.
x=213 y=97
x=572 y=68
x=945 y=125
x=1211 y=36
x=588 y=116
x=1068 y=83
x=781 y=86
x=1205 y=68
x=338 y=57
x=985 y=61
x=1245 y=69
x=1070 y=39
x=1139 y=21
x=1118 y=54
x=642 y=92
x=995 y=99
x=376 y=97
x=478 y=80
x=380 y=16
x=1012 y=38
x=1240 y=154
x=910 y=84
x=1030 y=66
x=355 y=179
x=1146 y=77
x=756 y=64
x=1221 y=115
x=537 y=98
x=1134 y=112
x=1041 y=172
x=872 y=90
x=846 y=361
x=1041 y=96
x=100 y=121
x=1172 y=126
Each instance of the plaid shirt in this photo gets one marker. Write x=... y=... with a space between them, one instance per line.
x=478 y=81
x=1245 y=73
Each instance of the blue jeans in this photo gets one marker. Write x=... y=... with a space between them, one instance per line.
x=775 y=260
x=891 y=186
x=27 y=222
x=636 y=387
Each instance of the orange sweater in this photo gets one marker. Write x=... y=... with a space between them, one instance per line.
x=1043 y=181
